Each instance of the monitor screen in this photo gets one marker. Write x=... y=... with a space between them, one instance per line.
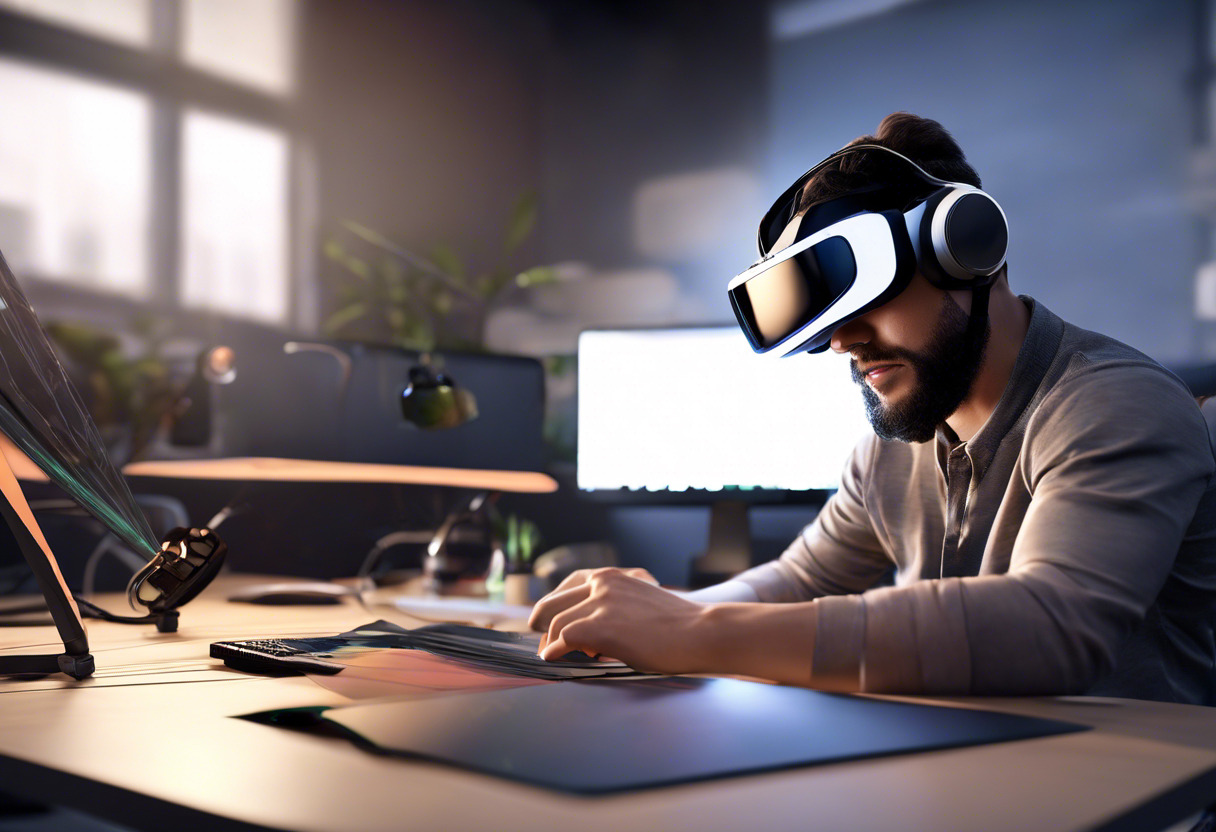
x=673 y=410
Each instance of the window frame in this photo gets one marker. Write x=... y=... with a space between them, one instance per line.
x=173 y=87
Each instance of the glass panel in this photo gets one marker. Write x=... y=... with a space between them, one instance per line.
x=75 y=179
x=126 y=21
x=249 y=41
x=43 y=415
x=234 y=217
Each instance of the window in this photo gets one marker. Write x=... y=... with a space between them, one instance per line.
x=248 y=41
x=234 y=228
x=74 y=179
x=124 y=21
x=144 y=149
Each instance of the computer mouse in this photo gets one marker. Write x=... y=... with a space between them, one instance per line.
x=315 y=593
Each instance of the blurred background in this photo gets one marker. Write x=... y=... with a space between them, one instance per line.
x=499 y=174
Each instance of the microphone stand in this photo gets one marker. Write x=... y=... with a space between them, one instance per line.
x=76 y=660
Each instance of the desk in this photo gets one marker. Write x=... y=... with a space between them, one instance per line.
x=81 y=745
x=270 y=469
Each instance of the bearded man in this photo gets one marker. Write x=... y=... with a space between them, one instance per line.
x=1035 y=514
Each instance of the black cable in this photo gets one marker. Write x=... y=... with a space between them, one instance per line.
x=90 y=610
x=165 y=621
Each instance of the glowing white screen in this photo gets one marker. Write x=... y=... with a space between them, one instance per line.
x=695 y=408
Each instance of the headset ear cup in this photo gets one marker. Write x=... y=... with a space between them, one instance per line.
x=967 y=235
x=930 y=262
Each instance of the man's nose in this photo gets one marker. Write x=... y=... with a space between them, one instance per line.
x=850 y=334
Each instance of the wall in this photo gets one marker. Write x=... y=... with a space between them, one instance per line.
x=668 y=99
x=1078 y=117
x=640 y=92
x=424 y=116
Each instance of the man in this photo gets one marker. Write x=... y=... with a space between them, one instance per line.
x=1043 y=495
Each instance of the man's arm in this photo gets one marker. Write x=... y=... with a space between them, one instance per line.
x=1116 y=463
x=838 y=553
x=727 y=591
x=623 y=613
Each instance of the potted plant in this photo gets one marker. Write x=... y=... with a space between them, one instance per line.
x=127 y=384
x=388 y=293
x=510 y=577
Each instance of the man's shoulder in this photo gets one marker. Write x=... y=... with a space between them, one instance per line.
x=1098 y=347
x=1091 y=362
x=1099 y=387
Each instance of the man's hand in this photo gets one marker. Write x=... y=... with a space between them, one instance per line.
x=621 y=613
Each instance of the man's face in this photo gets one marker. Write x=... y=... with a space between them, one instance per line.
x=914 y=359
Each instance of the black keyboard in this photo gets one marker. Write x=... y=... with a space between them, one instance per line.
x=272 y=656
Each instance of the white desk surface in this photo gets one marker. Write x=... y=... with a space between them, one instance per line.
x=150 y=743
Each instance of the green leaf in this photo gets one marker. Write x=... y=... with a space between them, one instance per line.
x=419 y=335
x=523 y=220
x=359 y=268
x=536 y=276
x=443 y=303
x=448 y=260
x=151 y=369
x=559 y=365
x=82 y=343
x=344 y=317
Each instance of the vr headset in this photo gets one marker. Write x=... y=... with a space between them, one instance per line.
x=848 y=255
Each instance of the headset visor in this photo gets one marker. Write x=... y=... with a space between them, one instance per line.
x=793 y=291
x=808 y=288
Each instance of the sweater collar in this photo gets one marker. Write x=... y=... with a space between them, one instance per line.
x=1038 y=350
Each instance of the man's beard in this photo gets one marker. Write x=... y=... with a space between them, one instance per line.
x=944 y=373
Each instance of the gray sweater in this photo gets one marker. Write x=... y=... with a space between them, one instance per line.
x=1068 y=547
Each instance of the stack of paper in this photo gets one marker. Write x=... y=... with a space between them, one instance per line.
x=513 y=654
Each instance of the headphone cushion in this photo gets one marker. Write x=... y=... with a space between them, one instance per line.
x=977 y=235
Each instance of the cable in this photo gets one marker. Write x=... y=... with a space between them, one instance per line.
x=109 y=543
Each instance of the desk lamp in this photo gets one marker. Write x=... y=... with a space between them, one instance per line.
x=214 y=367
x=43 y=415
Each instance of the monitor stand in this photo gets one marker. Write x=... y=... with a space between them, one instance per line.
x=729 y=550
x=75 y=660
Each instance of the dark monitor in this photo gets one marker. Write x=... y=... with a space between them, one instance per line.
x=301 y=405
x=691 y=414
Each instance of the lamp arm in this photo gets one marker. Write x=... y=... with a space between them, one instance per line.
x=344 y=362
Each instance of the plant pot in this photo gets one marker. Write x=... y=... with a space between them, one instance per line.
x=517 y=588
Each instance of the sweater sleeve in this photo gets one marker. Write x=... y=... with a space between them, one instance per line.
x=1116 y=460
x=839 y=552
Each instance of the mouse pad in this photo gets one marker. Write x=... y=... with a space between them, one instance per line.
x=594 y=737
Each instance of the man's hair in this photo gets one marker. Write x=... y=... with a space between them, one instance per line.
x=922 y=140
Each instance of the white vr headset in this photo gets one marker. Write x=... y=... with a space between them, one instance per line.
x=839 y=259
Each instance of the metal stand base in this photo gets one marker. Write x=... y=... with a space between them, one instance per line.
x=76 y=666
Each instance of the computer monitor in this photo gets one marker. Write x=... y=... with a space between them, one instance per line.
x=691 y=414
